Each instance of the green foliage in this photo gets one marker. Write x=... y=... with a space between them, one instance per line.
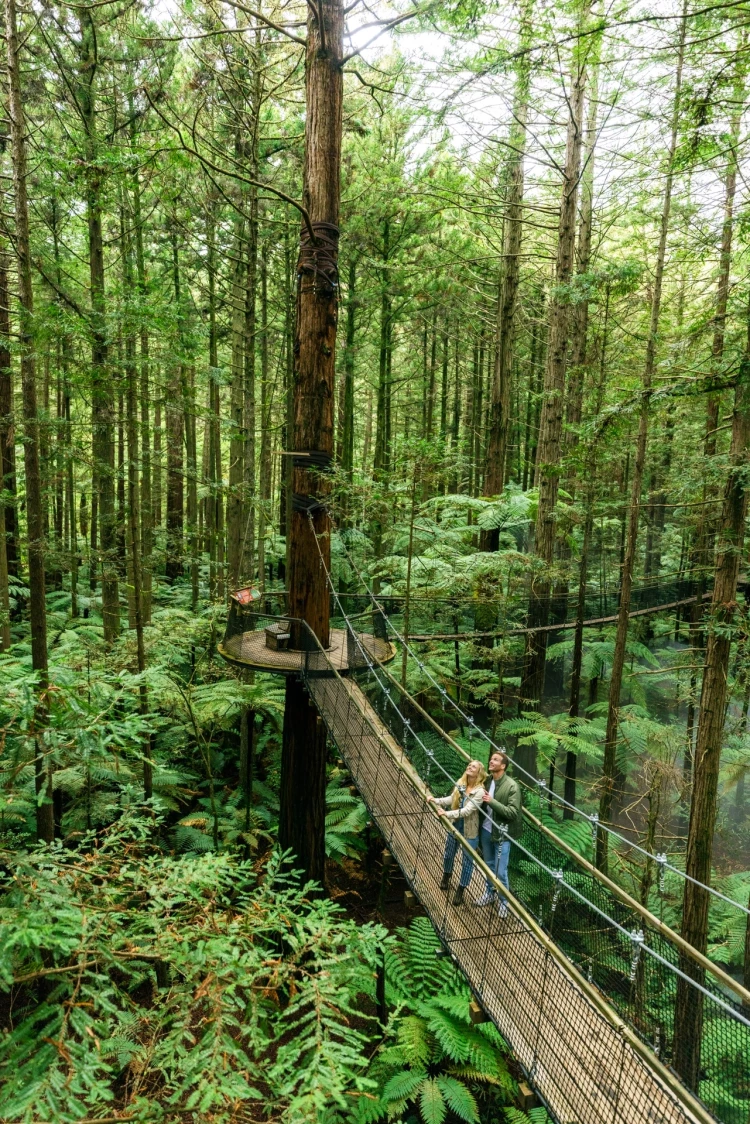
x=346 y=818
x=433 y=1059
x=166 y=987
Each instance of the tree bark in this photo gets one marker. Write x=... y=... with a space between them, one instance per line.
x=175 y=411
x=7 y=445
x=45 y=824
x=708 y=743
x=302 y=815
x=235 y=505
x=609 y=766
x=500 y=397
x=102 y=384
x=146 y=497
x=550 y=435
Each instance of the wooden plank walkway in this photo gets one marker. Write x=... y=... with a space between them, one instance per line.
x=582 y=1062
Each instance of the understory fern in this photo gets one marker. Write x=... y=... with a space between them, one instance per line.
x=178 y=989
x=433 y=1061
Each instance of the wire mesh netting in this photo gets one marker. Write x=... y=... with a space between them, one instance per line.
x=584 y=1065
x=632 y=963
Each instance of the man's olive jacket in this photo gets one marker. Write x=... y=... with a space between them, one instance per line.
x=505 y=807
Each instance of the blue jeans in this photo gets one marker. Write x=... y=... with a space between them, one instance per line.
x=467 y=863
x=503 y=858
x=489 y=854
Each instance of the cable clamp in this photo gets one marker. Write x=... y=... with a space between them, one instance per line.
x=662 y=863
x=558 y=876
x=638 y=940
x=594 y=821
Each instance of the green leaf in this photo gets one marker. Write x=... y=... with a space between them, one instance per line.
x=432 y=1103
x=459 y=1099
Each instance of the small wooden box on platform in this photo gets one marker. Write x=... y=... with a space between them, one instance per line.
x=277 y=636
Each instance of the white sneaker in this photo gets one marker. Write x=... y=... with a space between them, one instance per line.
x=502 y=909
x=487 y=898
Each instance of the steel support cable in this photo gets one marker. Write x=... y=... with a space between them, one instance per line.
x=695 y=1108
x=539 y=784
x=656 y=923
x=557 y=875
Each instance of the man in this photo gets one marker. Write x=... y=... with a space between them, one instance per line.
x=503 y=821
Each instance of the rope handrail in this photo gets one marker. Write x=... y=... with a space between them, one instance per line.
x=592 y=819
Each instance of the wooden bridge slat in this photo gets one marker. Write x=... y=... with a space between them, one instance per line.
x=580 y=1064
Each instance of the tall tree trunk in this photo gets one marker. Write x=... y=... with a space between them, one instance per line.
x=347 y=418
x=550 y=435
x=248 y=522
x=302 y=815
x=213 y=496
x=382 y=435
x=146 y=497
x=45 y=824
x=609 y=766
x=235 y=505
x=133 y=505
x=500 y=398
x=7 y=512
x=191 y=458
x=580 y=320
x=102 y=384
x=708 y=743
x=175 y=411
x=266 y=405
x=588 y=526
x=7 y=445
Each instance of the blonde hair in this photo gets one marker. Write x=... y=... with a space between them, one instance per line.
x=463 y=781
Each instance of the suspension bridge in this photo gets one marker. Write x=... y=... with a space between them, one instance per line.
x=579 y=977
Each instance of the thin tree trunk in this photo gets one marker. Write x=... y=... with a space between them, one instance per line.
x=248 y=523
x=213 y=496
x=347 y=420
x=133 y=519
x=550 y=435
x=266 y=405
x=609 y=766
x=708 y=743
x=499 y=413
x=580 y=320
x=7 y=446
x=146 y=498
x=235 y=505
x=569 y=792
x=175 y=411
x=102 y=385
x=45 y=824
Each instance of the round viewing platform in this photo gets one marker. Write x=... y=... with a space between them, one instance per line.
x=250 y=650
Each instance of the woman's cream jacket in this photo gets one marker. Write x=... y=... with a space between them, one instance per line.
x=471 y=813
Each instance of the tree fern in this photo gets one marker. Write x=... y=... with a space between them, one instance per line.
x=432 y=1104
x=458 y=1098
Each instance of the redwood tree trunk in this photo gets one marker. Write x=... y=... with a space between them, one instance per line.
x=301 y=821
x=45 y=824
x=708 y=744
x=550 y=432
x=500 y=396
x=609 y=766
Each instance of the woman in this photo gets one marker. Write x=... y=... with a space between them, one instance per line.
x=465 y=807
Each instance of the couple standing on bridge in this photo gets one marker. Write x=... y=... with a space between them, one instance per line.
x=486 y=809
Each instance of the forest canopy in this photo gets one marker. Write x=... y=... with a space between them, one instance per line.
x=426 y=323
